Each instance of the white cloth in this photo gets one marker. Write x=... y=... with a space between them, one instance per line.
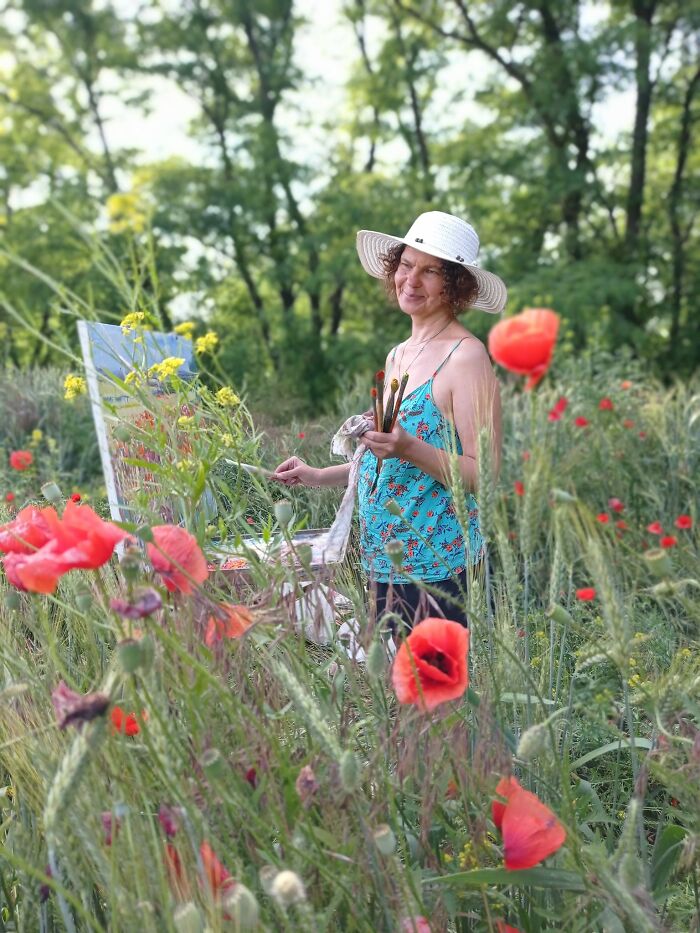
x=336 y=539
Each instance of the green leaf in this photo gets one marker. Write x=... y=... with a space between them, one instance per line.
x=527 y=877
x=667 y=850
x=610 y=747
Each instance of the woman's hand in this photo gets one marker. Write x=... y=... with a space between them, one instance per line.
x=295 y=472
x=396 y=443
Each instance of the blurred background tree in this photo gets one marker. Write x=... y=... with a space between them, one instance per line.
x=493 y=110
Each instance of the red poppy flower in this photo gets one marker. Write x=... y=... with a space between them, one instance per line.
x=216 y=876
x=603 y=518
x=29 y=530
x=628 y=423
x=621 y=524
x=684 y=522
x=642 y=435
x=126 y=723
x=625 y=384
x=605 y=404
x=531 y=831
x=227 y=622
x=616 y=505
x=581 y=422
x=561 y=405
x=503 y=927
x=21 y=459
x=76 y=497
x=519 y=488
x=586 y=594
x=415 y=925
x=524 y=343
x=668 y=541
x=655 y=528
x=554 y=415
x=9 y=497
x=431 y=665
x=506 y=787
x=176 y=556
x=301 y=435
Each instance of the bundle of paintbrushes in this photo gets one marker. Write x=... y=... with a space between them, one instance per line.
x=385 y=420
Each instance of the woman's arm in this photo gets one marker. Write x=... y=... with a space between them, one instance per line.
x=295 y=472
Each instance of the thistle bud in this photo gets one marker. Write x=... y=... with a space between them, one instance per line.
x=658 y=561
x=240 y=905
x=394 y=551
x=283 y=512
x=187 y=919
x=51 y=492
x=393 y=507
x=288 y=889
x=384 y=839
x=349 y=771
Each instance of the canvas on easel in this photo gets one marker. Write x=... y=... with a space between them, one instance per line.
x=109 y=356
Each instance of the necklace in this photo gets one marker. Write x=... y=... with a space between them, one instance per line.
x=425 y=344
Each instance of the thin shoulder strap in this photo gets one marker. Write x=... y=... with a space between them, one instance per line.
x=449 y=355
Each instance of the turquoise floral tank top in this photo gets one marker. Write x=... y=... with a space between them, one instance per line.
x=434 y=547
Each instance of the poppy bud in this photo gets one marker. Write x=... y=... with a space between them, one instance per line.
x=51 y=492
x=84 y=600
x=122 y=433
x=148 y=653
x=532 y=742
x=349 y=771
x=658 y=561
x=130 y=564
x=213 y=764
x=239 y=903
x=13 y=600
x=394 y=551
x=283 y=512
x=559 y=614
x=376 y=659
x=187 y=919
x=288 y=888
x=130 y=655
x=145 y=533
x=393 y=507
x=384 y=839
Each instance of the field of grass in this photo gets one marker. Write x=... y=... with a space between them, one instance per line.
x=258 y=781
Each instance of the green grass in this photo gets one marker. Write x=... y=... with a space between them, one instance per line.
x=227 y=732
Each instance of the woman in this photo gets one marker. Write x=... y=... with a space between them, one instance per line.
x=451 y=393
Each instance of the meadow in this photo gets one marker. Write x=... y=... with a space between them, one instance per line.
x=219 y=771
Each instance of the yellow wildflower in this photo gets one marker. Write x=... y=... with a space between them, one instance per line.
x=206 y=344
x=185 y=329
x=132 y=377
x=467 y=859
x=133 y=320
x=166 y=368
x=73 y=386
x=685 y=653
x=634 y=680
x=226 y=440
x=37 y=437
x=126 y=212
x=52 y=444
x=184 y=421
x=227 y=397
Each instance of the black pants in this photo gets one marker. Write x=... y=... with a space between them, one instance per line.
x=413 y=603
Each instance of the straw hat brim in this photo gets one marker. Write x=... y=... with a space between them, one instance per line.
x=372 y=245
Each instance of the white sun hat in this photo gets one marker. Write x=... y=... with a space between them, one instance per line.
x=442 y=235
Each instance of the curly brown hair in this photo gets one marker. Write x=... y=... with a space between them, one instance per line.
x=460 y=287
